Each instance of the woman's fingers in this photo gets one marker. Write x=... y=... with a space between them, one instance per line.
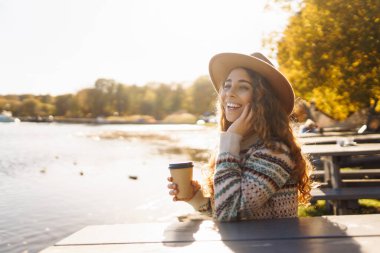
x=196 y=185
x=172 y=186
x=173 y=192
x=250 y=116
x=247 y=119
x=242 y=116
x=247 y=113
x=247 y=109
x=250 y=110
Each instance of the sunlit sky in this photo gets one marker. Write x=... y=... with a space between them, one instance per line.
x=62 y=46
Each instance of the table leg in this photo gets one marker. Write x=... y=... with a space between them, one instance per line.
x=332 y=174
x=327 y=171
x=336 y=180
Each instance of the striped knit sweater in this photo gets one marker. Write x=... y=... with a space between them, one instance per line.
x=250 y=182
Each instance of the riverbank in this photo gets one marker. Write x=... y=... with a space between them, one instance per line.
x=175 y=118
x=98 y=120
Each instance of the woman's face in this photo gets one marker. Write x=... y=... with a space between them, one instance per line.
x=237 y=92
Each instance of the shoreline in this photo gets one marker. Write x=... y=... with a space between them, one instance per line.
x=102 y=121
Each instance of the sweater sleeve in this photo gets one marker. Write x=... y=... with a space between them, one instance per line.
x=246 y=187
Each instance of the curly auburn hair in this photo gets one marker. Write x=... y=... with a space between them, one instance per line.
x=272 y=127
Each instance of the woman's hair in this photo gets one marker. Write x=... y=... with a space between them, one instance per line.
x=272 y=126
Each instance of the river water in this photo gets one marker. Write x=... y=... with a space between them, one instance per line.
x=58 y=178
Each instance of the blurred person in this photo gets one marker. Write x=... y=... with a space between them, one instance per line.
x=309 y=127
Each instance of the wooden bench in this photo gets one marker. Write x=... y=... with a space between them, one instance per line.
x=333 y=157
x=319 y=175
x=361 y=182
x=365 y=162
x=345 y=193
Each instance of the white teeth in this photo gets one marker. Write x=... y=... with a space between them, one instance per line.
x=233 y=105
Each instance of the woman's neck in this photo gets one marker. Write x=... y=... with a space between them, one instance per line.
x=248 y=141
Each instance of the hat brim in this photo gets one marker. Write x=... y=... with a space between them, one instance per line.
x=222 y=64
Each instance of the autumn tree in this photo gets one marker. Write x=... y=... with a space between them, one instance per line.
x=201 y=96
x=148 y=101
x=330 y=53
x=108 y=97
x=4 y=104
x=10 y=103
x=30 y=106
x=178 y=98
x=63 y=105
x=121 y=99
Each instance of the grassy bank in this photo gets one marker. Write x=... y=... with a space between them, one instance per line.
x=365 y=206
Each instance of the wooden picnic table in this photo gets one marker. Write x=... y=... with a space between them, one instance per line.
x=338 y=151
x=325 y=134
x=332 y=155
x=366 y=138
x=347 y=233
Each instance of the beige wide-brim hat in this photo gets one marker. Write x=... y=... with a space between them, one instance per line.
x=222 y=64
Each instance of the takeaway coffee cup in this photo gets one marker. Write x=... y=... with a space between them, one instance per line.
x=182 y=174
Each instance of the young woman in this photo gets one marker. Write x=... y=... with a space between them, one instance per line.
x=259 y=171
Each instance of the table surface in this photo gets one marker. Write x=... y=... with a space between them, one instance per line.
x=328 y=133
x=336 y=150
x=333 y=139
x=348 y=233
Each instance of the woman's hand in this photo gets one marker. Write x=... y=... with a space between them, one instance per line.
x=243 y=124
x=174 y=189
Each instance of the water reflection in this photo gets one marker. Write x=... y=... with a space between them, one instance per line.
x=57 y=178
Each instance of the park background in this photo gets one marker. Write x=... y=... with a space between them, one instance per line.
x=145 y=63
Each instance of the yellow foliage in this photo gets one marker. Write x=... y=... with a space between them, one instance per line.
x=330 y=52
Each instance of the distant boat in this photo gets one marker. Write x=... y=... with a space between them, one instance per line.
x=6 y=116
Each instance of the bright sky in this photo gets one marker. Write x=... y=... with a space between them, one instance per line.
x=62 y=46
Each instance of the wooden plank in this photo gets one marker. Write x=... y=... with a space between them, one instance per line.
x=346 y=193
x=351 y=174
x=361 y=183
x=368 y=138
x=364 y=161
x=208 y=230
x=335 y=150
x=349 y=233
x=324 y=134
x=336 y=245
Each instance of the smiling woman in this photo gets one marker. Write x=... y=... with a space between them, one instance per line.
x=259 y=171
x=236 y=93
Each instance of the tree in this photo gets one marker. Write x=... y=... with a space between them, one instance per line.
x=330 y=53
x=30 y=107
x=201 y=96
x=121 y=99
x=63 y=104
x=178 y=97
x=147 y=102
x=82 y=99
x=10 y=103
x=46 y=110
